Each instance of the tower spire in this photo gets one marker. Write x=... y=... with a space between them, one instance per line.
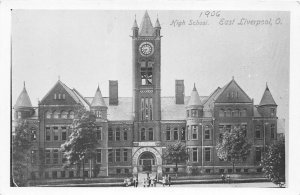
x=146 y=26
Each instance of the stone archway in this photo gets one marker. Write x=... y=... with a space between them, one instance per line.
x=136 y=156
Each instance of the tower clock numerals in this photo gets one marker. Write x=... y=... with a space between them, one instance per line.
x=146 y=49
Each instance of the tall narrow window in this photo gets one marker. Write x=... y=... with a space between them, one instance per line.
x=118 y=155
x=272 y=131
x=228 y=113
x=118 y=134
x=146 y=73
x=99 y=156
x=244 y=129
x=99 y=132
x=56 y=114
x=195 y=154
x=33 y=134
x=228 y=128
x=187 y=113
x=150 y=109
x=98 y=114
x=243 y=113
x=207 y=132
x=55 y=133
x=207 y=154
x=150 y=134
x=182 y=133
x=63 y=133
x=33 y=156
x=64 y=114
x=258 y=151
x=175 y=133
x=273 y=112
x=125 y=134
x=221 y=113
x=55 y=96
x=48 y=133
x=55 y=156
x=142 y=108
x=125 y=155
x=110 y=155
x=71 y=115
x=143 y=134
x=146 y=109
x=257 y=132
x=64 y=96
x=110 y=134
x=194 y=113
x=47 y=156
x=194 y=132
x=168 y=133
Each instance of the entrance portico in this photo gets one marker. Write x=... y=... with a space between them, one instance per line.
x=147 y=159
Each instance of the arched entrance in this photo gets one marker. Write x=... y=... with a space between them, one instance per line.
x=147 y=161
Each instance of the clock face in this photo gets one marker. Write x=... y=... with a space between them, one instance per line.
x=146 y=49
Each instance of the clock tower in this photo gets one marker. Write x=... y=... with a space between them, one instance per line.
x=146 y=59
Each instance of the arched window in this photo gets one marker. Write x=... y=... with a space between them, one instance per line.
x=143 y=134
x=228 y=113
x=221 y=113
x=56 y=114
x=64 y=114
x=236 y=113
x=71 y=115
x=48 y=114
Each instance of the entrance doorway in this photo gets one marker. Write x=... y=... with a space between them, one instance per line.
x=147 y=160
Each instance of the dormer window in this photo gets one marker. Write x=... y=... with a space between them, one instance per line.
x=55 y=96
x=59 y=96
x=194 y=113
x=64 y=96
x=98 y=114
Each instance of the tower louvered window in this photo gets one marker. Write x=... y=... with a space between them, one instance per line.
x=146 y=73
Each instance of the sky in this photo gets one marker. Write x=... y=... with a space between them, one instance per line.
x=85 y=48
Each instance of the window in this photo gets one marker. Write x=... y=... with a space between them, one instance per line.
x=221 y=128
x=244 y=129
x=48 y=114
x=146 y=73
x=64 y=114
x=143 y=134
x=194 y=113
x=168 y=133
x=56 y=114
x=86 y=173
x=207 y=154
x=125 y=154
x=118 y=171
x=259 y=170
x=63 y=133
x=229 y=170
x=71 y=115
x=236 y=113
x=207 y=170
x=55 y=156
x=62 y=174
x=221 y=113
x=245 y=170
x=55 y=133
x=19 y=114
x=99 y=132
x=207 y=132
x=182 y=133
x=272 y=131
x=64 y=96
x=194 y=132
x=146 y=109
x=110 y=155
x=98 y=156
x=244 y=113
x=98 y=114
x=257 y=132
x=258 y=154
x=59 y=96
x=125 y=132
x=71 y=174
x=221 y=170
x=175 y=133
x=228 y=128
x=228 y=113
x=33 y=134
x=118 y=155
x=55 y=96
x=126 y=171
x=195 y=155
x=33 y=156
x=273 y=112
x=54 y=174
x=238 y=170
x=48 y=133
x=187 y=113
x=220 y=137
x=150 y=134
x=47 y=156
x=110 y=134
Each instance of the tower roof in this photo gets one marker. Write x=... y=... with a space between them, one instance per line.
x=135 y=24
x=23 y=100
x=98 y=99
x=195 y=98
x=146 y=26
x=157 y=24
x=267 y=98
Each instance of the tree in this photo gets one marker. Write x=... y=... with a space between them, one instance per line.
x=176 y=153
x=274 y=162
x=20 y=158
x=233 y=147
x=81 y=144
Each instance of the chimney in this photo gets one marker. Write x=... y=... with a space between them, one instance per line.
x=179 y=91
x=113 y=92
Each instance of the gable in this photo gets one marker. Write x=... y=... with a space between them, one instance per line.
x=60 y=88
x=233 y=93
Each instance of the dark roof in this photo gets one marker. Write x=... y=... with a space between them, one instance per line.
x=23 y=100
x=267 y=98
x=157 y=24
x=146 y=28
x=98 y=99
x=134 y=24
x=255 y=112
x=169 y=109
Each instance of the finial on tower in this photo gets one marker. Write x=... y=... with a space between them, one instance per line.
x=267 y=86
x=24 y=84
x=194 y=89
